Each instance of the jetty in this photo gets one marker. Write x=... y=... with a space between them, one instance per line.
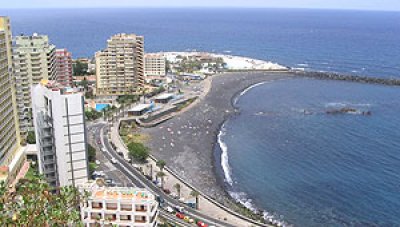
x=351 y=78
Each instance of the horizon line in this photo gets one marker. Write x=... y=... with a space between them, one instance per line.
x=205 y=7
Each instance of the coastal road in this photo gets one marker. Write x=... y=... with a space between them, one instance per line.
x=139 y=180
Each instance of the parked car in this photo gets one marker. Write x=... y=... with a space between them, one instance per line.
x=169 y=209
x=180 y=216
x=114 y=161
x=167 y=191
x=97 y=162
x=180 y=209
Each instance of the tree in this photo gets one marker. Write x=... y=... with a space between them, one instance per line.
x=91 y=153
x=161 y=175
x=161 y=164
x=195 y=194
x=177 y=186
x=35 y=203
x=31 y=139
x=92 y=167
x=138 y=151
x=80 y=68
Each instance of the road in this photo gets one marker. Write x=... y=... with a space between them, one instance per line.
x=138 y=179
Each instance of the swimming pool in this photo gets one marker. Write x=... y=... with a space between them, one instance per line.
x=101 y=106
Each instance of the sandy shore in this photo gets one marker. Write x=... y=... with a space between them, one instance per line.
x=187 y=141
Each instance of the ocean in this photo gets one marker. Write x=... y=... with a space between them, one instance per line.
x=298 y=163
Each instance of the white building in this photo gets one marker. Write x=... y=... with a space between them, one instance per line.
x=60 y=134
x=154 y=65
x=120 y=206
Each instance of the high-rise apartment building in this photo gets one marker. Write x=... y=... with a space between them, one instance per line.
x=60 y=130
x=12 y=157
x=154 y=65
x=120 y=67
x=64 y=67
x=34 y=60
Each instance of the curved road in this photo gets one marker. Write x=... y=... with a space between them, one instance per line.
x=139 y=180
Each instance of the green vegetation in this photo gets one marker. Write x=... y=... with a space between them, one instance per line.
x=196 y=195
x=31 y=138
x=127 y=99
x=92 y=159
x=138 y=151
x=33 y=203
x=92 y=115
x=161 y=164
x=80 y=68
x=161 y=175
x=177 y=187
x=183 y=105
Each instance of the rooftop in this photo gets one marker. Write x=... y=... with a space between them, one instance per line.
x=165 y=96
x=140 y=107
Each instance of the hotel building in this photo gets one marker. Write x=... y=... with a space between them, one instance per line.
x=12 y=158
x=118 y=206
x=64 y=67
x=34 y=60
x=60 y=130
x=154 y=65
x=120 y=67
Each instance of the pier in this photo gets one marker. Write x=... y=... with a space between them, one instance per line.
x=351 y=78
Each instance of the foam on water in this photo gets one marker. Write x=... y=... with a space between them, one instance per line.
x=224 y=157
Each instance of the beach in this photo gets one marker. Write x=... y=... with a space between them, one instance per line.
x=186 y=142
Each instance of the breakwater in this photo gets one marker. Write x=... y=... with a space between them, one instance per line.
x=344 y=77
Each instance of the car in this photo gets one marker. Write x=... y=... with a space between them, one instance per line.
x=180 y=216
x=179 y=209
x=98 y=142
x=169 y=209
x=167 y=191
x=114 y=161
x=103 y=149
x=97 y=162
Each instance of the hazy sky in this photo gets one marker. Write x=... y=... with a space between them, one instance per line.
x=330 y=4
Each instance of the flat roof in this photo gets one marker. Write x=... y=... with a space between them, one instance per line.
x=165 y=96
x=122 y=194
x=140 y=107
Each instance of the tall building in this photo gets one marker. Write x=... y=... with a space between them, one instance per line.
x=119 y=67
x=34 y=60
x=64 y=67
x=12 y=157
x=118 y=206
x=154 y=65
x=60 y=130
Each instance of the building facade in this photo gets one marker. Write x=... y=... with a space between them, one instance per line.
x=60 y=130
x=118 y=206
x=34 y=60
x=64 y=67
x=120 y=67
x=154 y=65
x=12 y=157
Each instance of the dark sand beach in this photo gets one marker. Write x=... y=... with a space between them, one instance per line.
x=186 y=142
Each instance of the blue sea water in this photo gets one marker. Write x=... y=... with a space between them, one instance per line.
x=314 y=169
x=354 y=42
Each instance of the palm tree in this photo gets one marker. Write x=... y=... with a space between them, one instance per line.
x=177 y=186
x=161 y=164
x=195 y=194
x=161 y=175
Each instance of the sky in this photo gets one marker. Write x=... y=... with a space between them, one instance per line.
x=391 y=5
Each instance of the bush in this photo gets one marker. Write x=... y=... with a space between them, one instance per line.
x=31 y=139
x=91 y=153
x=138 y=151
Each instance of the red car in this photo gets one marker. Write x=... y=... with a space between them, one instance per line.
x=201 y=224
x=180 y=216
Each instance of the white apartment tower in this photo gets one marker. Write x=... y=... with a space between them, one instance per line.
x=120 y=67
x=60 y=133
x=34 y=60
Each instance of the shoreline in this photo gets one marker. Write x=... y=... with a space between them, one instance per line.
x=196 y=161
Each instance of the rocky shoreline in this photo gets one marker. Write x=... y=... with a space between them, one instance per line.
x=186 y=142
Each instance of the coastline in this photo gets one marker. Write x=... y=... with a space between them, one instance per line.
x=196 y=161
